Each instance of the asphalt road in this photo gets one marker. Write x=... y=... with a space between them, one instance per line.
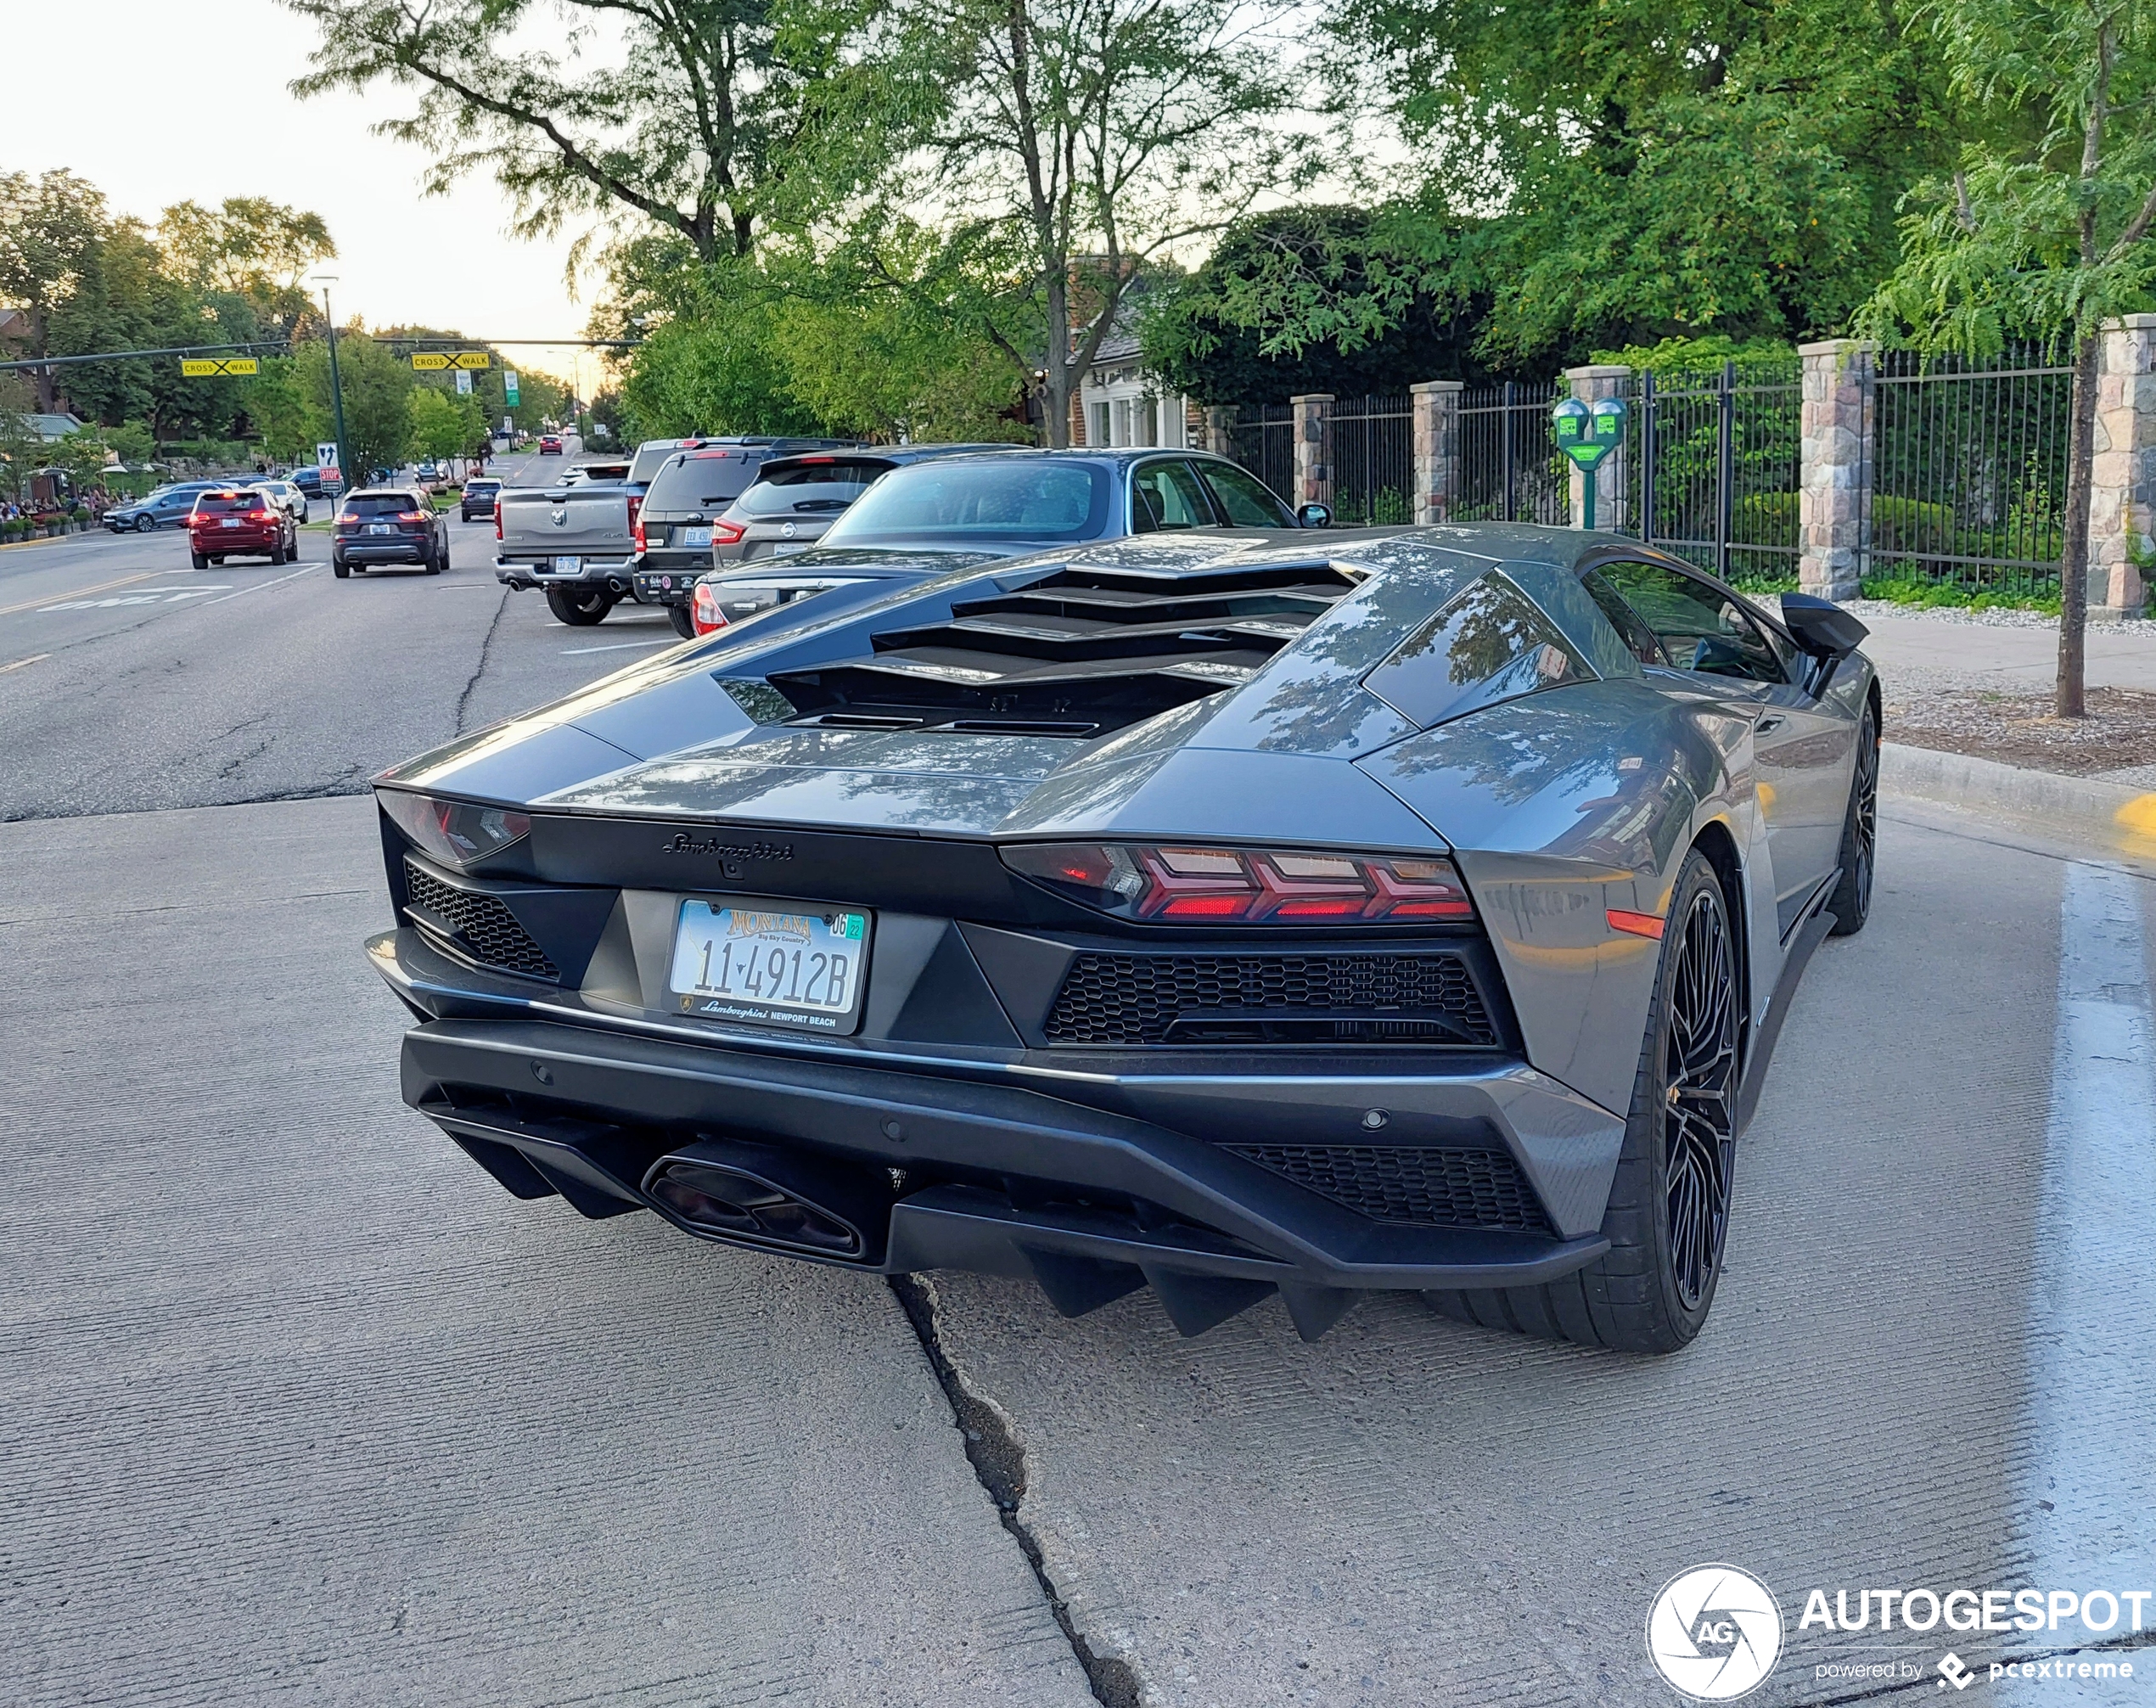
x=295 y=1406
x=129 y=681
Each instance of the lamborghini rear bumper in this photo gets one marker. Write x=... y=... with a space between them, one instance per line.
x=1215 y=1189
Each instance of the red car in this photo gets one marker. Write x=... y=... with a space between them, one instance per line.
x=240 y=522
x=550 y=445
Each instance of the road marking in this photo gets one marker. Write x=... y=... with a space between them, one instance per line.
x=259 y=586
x=145 y=596
x=2091 y=1481
x=20 y=662
x=84 y=593
x=619 y=646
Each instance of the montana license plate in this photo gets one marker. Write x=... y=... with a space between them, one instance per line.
x=770 y=964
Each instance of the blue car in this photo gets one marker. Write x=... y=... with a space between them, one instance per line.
x=164 y=507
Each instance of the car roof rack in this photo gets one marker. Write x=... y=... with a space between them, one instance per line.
x=1080 y=653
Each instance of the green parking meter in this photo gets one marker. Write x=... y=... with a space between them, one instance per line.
x=1587 y=434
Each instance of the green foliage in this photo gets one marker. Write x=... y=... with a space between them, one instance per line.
x=1705 y=355
x=378 y=397
x=443 y=424
x=290 y=424
x=1925 y=594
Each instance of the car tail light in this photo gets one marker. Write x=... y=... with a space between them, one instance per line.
x=456 y=832
x=1275 y=886
x=349 y=516
x=704 y=615
x=726 y=533
x=498 y=519
x=636 y=519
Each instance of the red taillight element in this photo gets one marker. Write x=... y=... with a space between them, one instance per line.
x=1638 y=924
x=411 y=515
x=456 y=832
x=636 y=521
x=726 y=533
x=498 y=519
x=1269 y=887
x=704 y=615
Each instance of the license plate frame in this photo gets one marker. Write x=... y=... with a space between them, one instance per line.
x=747 y=990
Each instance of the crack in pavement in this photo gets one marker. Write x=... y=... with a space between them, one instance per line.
x=485 y=647
x=999 y=1459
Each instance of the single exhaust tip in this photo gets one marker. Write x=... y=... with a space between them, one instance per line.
x=737 y=1204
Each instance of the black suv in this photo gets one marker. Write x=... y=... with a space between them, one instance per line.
x=477 y=501
x=391 y=525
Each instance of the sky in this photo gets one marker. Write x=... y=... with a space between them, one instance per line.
x=151 y=103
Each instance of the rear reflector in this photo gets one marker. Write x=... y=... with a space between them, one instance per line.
x=1638 y=924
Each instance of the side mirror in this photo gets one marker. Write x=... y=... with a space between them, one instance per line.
x=1821 y=627
x=1315 y=516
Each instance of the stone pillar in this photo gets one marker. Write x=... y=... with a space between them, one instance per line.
x=1436 y=407
x=1612 y=487
x=1313 y=447
x=1220 y=429
x=2122 y=487
x=1833 y=506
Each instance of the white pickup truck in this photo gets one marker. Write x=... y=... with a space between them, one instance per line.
x=575 y=541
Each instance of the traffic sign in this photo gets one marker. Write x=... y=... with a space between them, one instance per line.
x=428 y=361
x=474 y=359
x=325 y=455
x=509 y=386
x=210 y=366
x=434 y=361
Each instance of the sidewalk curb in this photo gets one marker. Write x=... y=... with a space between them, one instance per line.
x=2118 y=813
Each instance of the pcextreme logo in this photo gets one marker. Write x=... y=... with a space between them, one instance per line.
x=1714 y=1633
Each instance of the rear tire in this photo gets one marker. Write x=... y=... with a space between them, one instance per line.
x=1851 y=905
x=277 y=559
x=200 y=561
x=683 y=624
x=1668 y=1215
x=579 y=608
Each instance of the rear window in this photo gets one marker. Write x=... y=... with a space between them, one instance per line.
x=381 y=503
x=702 y=479
x=482 y=485
x=648 y=457
x=227 y=503
x=816 y=488
x=1021 y=500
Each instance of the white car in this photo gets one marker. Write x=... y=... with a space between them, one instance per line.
x=285 y=496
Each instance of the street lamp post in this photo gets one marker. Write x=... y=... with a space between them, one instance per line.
x=336 y=386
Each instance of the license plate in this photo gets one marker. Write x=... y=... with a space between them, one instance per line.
x=568 y=566
x=786 y=549
x=381 y=527
x=770 y=964
x=229 y=522
x=696 y=536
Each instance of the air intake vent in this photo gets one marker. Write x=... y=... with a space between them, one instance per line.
x=1081 y=651
x=1428 y=999
x=1423 y=1189
x=476 y=925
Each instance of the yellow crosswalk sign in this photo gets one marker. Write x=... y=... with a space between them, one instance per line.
x=212 y=366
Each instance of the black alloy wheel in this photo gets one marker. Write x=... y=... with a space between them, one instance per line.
x=1851 y=905
x=1700 y=1077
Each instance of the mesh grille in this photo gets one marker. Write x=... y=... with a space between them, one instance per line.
x=1150 y=999
x=485 y=929
x=1429 y=1189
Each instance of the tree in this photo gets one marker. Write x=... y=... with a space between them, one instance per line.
x=1644 y=169
x=1082 y=139
x=48 y=226
x=22 y=449
x=695 y=128
x=248 y=247
x=378 y=398
x=2043 y=229
x=440 y=430
x=289 y=423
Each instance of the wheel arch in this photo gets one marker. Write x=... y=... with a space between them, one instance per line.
x=1719 y=845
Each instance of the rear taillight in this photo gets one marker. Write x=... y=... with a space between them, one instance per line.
x=726 y=533
x=636 y=519
x=411 y=515
x=1274 y=887
x=498 y=519
x=704 y=613
x=456 y=832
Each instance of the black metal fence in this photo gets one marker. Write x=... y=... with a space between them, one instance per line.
x=1510 y=469
x=1264 y=441
x=1967 y=473
x=1716 y=469
x=1373 y=461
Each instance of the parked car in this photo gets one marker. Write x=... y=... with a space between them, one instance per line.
x=478 y=499
x=1342 y=914
x=653 y=454
x=924 y=517
x=550 y=444
x=162 y=507
x=388 y=524
x=240 y=521
x=286 y=495
x=310 y=480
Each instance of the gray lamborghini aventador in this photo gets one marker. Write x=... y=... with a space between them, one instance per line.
x=1414 y=913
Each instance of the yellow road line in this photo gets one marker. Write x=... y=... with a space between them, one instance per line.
x=20 y=662
x=82 y=592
